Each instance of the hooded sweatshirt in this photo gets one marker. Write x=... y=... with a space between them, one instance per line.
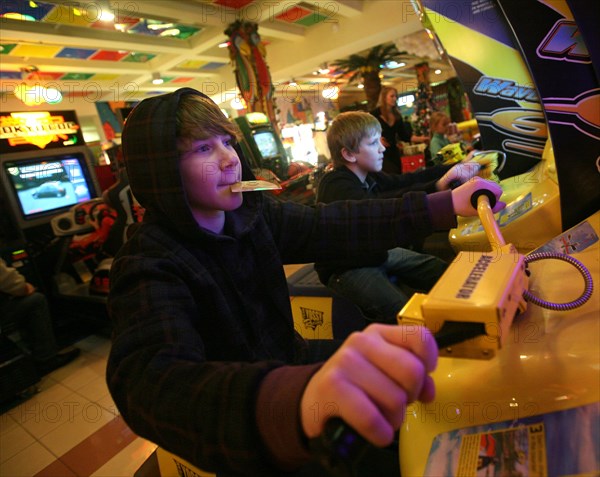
x=205 y=361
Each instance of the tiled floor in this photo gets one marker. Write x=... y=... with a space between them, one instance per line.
x=71 y=428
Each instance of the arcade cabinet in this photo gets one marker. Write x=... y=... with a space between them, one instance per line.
x=45 y=169
x=531 y=405
x=262 y=145
x=264 y=150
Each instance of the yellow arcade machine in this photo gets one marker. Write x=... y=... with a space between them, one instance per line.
x=532 y=215
x=522 y=395
x=518 y=379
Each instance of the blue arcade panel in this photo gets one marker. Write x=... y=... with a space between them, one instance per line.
x=45 y=185
x=40 y=185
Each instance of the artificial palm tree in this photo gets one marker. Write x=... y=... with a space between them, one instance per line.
x=368 y=67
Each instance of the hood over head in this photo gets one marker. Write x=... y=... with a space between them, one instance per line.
x=149 y=143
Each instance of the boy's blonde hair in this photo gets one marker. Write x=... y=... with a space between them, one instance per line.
x=347 y=131
x=199 y=118
x=437 y=117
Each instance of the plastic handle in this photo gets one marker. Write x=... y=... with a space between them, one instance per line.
x=340 y=448
x=490 y=195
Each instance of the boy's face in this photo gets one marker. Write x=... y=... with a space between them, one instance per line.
x=369 y=157
x=442 y=126
x=208 y=169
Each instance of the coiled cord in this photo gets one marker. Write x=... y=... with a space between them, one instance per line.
x=589 y=284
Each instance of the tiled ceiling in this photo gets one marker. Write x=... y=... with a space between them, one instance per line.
x=73 y=46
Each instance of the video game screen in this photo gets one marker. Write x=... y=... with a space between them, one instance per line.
x=49 y=184
x=266 y=143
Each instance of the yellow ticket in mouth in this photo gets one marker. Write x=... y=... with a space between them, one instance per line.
x=250 y=186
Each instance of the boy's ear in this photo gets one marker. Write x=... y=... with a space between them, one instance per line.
x=348 y=155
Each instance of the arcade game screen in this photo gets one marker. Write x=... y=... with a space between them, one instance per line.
x=48 y=184
x=266 y=143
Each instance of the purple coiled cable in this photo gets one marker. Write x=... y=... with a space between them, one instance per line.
x=589 y=284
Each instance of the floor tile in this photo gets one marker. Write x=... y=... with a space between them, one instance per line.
x=95 y=345
x=78 y=375
x=68 y=434
x=100 y=447
x=56 y=469
x=72 y=410
x=7 y=422
x=128 y=461
x=28 y=462
x=71 y=426
x=94 y=390
x=52 y=393
x=14 y=441
x=107 y=403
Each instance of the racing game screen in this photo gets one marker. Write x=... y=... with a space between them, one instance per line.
x=49 y=184
x=266 y=143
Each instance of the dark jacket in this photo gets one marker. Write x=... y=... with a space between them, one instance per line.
x=392 y=134
x=204 y=360
x=343 y=184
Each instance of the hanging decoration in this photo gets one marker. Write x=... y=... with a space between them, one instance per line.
x=247 y=53
x=423 y=104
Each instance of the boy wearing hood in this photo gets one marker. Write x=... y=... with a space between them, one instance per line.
x=205 y=361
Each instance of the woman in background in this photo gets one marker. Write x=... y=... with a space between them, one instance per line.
x=393 y=129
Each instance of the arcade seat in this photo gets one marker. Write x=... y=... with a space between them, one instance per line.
x=104 y=223
x=120 y=198
x=317 y=312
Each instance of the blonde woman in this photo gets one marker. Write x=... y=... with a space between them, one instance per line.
x=393 y=129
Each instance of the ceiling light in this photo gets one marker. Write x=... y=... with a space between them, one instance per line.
x=53 y=96
x=238 y=103
x=106 y=16
x=392 y=65
x=438 y=72
x=324 y=69
x=170 y=32
x=156 y=79
x=331 y=92
x=19 y=16
x=160 y=26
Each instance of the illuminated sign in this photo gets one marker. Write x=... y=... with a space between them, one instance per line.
x=30 y=130
x=257 y=118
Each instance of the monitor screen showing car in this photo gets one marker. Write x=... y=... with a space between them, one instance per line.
x=266 y=143
x=49 y=184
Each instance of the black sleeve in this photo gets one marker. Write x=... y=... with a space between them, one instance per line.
x=395 y=185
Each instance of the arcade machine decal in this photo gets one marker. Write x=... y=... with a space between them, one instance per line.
x=561 y=65
x=505 y=102
x=557 y=443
